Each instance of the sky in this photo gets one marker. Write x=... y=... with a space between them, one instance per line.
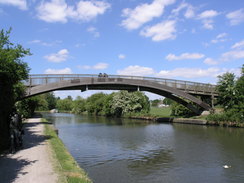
x=176 y=39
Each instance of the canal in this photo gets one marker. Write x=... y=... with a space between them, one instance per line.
x=131 y=151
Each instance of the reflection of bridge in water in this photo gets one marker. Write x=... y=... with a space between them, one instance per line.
x=178 y=90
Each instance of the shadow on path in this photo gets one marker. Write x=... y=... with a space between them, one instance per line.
x=11 y=165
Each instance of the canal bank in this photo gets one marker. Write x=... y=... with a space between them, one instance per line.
x=188 y=121
x=65 y=165
x=43 y=158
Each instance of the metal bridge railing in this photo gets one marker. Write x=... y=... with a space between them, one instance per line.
x=188 y=86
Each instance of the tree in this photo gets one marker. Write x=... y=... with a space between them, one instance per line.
x=28 y=106
x=231 y=97
x=12 y=71
x=155 y=102
x=79 y=105
x=226 y=87
x=125 y=102
x=95 y=103
x=65 y=104
x=51 y=100
x=167 y=101
x=180 y=110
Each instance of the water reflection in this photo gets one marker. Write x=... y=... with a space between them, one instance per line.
x=154 y=160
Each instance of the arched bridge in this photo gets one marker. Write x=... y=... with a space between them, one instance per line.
x=180 y=91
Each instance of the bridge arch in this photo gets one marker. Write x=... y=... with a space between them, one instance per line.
x=107 y=83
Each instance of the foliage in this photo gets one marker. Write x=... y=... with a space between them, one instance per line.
x=155 y=102
x=65 y=104
x=167 y=101
x=228 y=116
x=227 y=90
x=51 y=100
x=79 y=105
x=27 y=106
x=129 y=102
x=115 y=104
x=12 y=71
x=94 y=103
x=180 y=110
x=231 y=97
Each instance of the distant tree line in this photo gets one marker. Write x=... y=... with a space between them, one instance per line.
x=115 y=104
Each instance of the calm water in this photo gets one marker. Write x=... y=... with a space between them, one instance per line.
x=125 y=151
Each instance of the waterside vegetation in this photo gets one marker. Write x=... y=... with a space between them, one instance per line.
x=65 y=165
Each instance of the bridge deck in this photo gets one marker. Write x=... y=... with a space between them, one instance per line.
x=186 y=86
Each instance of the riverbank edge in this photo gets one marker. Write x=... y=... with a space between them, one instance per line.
x=181 y=120
x=188 y=121
x=65 y=165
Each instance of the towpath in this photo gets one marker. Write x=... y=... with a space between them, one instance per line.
x=31 y=164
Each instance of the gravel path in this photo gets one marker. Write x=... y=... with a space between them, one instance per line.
x=32 y=164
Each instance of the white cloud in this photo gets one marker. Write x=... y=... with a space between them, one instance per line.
x=185 y=56
x=236 y=17
x=210 y=61
x=60 y=56
x=161 y=31
x=220 y=38
x=232 y=55
x=189 y=73
x=60 y=11
x=189 y=13
x=208 y=24
x=21 y=4
x=43 y=43
x=143 y=13
x=136 y=70
x=98 y=66
x=87 y=10
x=93 y=31
x=208 y=14
x=121 y=56
x=58 y=71
x=207 y=18
x=53 y=11
x=238 y=45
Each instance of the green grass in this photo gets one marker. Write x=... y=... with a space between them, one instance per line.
x=160 y=112
x=65 y=165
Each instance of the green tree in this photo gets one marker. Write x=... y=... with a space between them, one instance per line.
x=12 y=71
x=226 y=87
x=28 y=106
x=155 y=102
x=79 y=105
x=125 y=102
x=167 y=101
x=180 y=111
x=95 y=103
x=51 y=100
x=231 y=97
x=42 y=103
x=65 y=104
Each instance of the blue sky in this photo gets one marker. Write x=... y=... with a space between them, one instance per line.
x=187 y=40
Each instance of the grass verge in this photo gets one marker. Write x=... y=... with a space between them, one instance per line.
x=65 y=165
x=160 y=112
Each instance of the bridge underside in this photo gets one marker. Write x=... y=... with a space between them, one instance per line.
x=84 y=84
